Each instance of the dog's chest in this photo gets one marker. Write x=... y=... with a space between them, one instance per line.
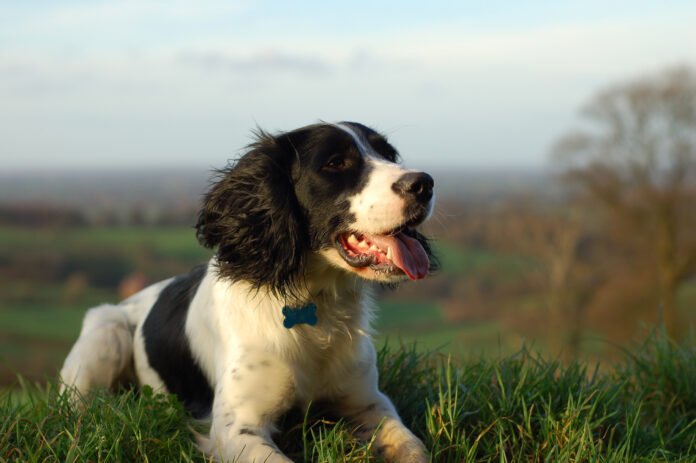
x=319 y=367
x=235 y=320
x=319 y=356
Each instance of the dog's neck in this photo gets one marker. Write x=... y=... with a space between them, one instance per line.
x=343 y=301
x=323 y=279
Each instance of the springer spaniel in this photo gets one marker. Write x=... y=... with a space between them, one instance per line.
x=281 y=314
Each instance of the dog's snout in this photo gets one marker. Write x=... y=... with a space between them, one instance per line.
x=418 y=185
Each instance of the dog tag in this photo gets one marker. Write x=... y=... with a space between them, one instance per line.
x=299 y=315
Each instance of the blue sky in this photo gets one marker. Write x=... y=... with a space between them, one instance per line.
x=104 y=84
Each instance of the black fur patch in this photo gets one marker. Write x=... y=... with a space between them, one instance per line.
x=252 y=216
x=167 y=346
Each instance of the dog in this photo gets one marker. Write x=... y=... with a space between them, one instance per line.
x=280 y=316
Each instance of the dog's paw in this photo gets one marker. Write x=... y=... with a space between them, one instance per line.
x=412 y=451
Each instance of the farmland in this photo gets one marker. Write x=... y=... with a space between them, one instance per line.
x=49 y=277
x=41 y=306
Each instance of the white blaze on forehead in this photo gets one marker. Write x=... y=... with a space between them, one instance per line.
x=360 y=141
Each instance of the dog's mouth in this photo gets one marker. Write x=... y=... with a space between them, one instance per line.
x=394 y=252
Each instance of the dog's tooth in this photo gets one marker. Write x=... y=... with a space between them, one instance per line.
x=374 y=248
x=389 y=253
x=363 y=245
x=352 y=239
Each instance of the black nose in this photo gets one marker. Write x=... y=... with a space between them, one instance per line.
x=415 y=184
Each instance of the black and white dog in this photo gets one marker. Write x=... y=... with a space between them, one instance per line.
x=281 y=315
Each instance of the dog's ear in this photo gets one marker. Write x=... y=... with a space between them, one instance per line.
x=251 y=215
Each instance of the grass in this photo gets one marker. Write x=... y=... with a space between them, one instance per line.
x=520 y=408
x=462 y=340
x=38 y=322
x=397 y=314
x=175 y=242
x=457 y=260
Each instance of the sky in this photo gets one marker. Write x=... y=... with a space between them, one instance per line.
x=110 y=84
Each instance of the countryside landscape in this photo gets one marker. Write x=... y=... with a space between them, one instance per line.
x=60 y=260
x=560 y=326
x=489 y=298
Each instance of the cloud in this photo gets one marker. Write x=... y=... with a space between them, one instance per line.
x=114 y=88
x=268 y=60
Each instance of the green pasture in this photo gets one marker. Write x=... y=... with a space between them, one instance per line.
x=413 y=314
x=173 y=242
x=457 y=260
x=53 y=324
x=40 y=318
x=180 y=243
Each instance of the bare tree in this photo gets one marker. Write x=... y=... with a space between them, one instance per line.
x=636 y=159
x=557 y=236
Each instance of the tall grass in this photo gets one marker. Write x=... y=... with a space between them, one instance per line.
x=521 y=408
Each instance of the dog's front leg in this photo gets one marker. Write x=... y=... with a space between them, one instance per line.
x=374 y=415
x=250 y=395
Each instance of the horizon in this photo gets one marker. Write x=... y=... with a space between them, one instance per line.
x=129 y=187
x=114 y=84
x=194 y=169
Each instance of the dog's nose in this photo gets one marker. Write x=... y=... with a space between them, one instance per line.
x=418 y=185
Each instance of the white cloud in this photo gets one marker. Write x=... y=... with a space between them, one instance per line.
x=267 y=60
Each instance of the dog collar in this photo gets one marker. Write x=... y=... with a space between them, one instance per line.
x=298 y=315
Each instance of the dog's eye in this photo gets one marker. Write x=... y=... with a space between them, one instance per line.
x=338 y=163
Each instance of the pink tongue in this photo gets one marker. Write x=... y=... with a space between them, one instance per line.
x=407 y=254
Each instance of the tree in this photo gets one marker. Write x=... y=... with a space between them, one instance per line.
x=558 y=237
x=636 y=159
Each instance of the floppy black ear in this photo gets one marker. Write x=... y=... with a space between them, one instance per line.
x=252 y=216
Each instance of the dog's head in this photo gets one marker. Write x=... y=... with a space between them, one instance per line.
x=335 y=190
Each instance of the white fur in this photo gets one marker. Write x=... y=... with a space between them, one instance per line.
x=258 y=368
x=102 y=353
x=377 y=208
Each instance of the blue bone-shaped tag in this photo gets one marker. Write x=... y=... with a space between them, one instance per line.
x=298 y=315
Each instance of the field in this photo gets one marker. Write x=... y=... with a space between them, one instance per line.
x=467 y=386
x=40 y=314
x=520 y=408
x=49 y=277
